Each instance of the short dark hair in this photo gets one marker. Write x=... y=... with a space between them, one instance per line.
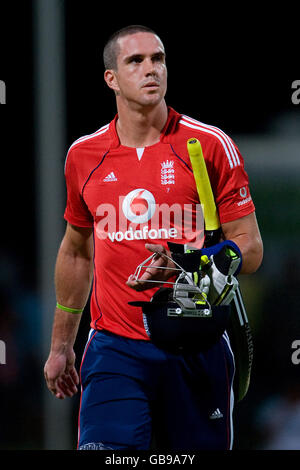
x=111 y=48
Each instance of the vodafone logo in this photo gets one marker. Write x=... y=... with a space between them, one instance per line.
x=139 y=206
x=243 y=192
x=137 y=216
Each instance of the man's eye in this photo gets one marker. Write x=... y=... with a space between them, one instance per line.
x=136 y=60
x=158 y=57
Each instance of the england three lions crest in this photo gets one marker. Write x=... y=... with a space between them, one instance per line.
x=167 y=172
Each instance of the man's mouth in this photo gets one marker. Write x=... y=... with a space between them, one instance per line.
x=152 y=84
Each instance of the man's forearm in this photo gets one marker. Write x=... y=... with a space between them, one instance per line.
x=73 y=278
x=245 y=233
x=252 y=253
x=64 y=332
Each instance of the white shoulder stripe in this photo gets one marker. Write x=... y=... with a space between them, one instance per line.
x=226 y=142
x=192 y=126
x=225 y=136
x=100 y=131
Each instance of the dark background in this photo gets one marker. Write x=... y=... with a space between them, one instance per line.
x=234 y=72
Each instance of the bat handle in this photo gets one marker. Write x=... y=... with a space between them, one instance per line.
x=212 y=237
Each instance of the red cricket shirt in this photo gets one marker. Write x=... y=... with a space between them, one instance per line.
x=134 y=196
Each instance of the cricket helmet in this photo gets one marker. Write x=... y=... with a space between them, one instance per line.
x=180 y=317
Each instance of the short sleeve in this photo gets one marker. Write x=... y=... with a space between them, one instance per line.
x=76 y=211
x=230 y=183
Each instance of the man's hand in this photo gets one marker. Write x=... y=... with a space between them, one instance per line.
x=151 y=273
x=60 y=374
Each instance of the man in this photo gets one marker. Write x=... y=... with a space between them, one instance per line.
x=119 y=174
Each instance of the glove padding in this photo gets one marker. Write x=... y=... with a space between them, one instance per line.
x=220 y=263
x=190 y=259
x=221 y=272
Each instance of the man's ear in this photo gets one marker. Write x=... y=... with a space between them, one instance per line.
x=111 y=80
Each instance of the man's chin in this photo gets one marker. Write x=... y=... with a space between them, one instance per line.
x=152 y=99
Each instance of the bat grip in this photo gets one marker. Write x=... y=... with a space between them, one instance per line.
x=212 y=237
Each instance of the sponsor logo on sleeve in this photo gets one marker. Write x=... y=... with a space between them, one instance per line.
x=244 y=195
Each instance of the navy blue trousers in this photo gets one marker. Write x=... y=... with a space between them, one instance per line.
x=131 y=391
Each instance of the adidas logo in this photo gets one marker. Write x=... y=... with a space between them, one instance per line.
x=110 y=177
x=216 y=414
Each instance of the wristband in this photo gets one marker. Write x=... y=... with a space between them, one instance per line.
x=192 y=259
x=215 y=249
x=68 y=309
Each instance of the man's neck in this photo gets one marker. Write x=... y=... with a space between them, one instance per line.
x=141 y=128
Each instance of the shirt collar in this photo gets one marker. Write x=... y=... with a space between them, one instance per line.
x=166 y=133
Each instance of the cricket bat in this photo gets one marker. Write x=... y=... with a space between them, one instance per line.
x=239 y=330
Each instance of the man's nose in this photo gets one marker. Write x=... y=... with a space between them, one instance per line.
x=149 y=67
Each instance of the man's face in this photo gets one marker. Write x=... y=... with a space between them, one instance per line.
x=141 y=75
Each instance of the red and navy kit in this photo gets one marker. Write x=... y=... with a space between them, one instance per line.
x=127 y=194
x=132 y=390
x=130 y=196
